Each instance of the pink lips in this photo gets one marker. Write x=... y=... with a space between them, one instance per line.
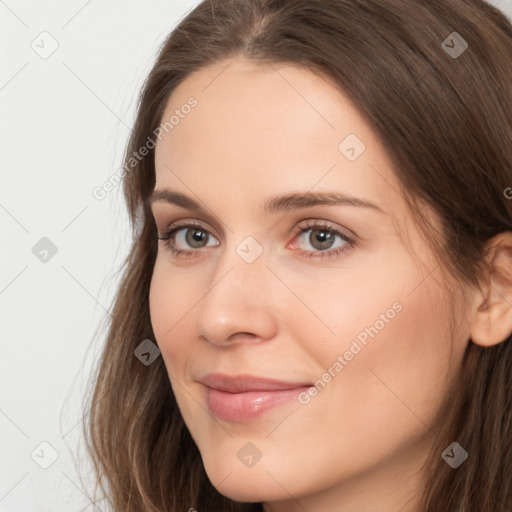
x=244 y=397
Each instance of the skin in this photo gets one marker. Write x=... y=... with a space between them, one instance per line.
x=260 y=131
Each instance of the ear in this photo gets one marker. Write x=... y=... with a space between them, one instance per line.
x=491 y=318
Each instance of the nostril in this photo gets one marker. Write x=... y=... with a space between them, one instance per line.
x=234 y=337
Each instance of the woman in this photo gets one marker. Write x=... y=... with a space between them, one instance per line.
x=317 y=307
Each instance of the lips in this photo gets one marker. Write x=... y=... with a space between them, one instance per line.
x=241 y=398
x=243 y=383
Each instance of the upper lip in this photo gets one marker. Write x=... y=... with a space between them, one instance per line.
x=242 y=383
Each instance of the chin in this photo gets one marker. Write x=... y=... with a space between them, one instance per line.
x=246 y=485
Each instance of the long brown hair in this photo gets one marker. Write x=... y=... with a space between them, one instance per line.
x=446 y=121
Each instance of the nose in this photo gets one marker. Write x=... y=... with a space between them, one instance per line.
x=240 y=305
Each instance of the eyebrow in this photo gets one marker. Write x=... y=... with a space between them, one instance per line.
x=276 y=204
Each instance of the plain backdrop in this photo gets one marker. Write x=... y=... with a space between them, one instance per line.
x=70 y=75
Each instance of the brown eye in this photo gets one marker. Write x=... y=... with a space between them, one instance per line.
x=195 y=237
x=188 y=239
x=321 y=239
x=318 y=240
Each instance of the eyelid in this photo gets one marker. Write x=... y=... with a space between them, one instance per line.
x=185 y=216
x=188 y=222
x=308 y=223
x=322 y=223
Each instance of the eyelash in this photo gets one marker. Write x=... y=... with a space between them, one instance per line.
x=168 y=237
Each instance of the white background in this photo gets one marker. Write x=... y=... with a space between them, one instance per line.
x=65 y=120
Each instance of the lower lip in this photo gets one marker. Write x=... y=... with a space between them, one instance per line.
x=248 y=405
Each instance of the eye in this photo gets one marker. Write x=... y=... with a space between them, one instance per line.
x=187 y=236
x=320 y=240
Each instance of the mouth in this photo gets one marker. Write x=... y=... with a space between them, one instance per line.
x=245 y=397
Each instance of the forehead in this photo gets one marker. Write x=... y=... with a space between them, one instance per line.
x=267 y=99
x=261 y=127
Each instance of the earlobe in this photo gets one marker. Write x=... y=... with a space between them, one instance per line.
x=491 y=321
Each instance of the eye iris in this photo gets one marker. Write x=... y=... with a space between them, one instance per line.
x=195 y=237
x=321 y=238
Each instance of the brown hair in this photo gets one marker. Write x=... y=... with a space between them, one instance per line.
x=447 y=126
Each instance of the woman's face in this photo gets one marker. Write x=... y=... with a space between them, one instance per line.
x=317 y=292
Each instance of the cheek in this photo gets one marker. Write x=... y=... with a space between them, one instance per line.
x=391 y=351
x=396 y=363
x=170 y=301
